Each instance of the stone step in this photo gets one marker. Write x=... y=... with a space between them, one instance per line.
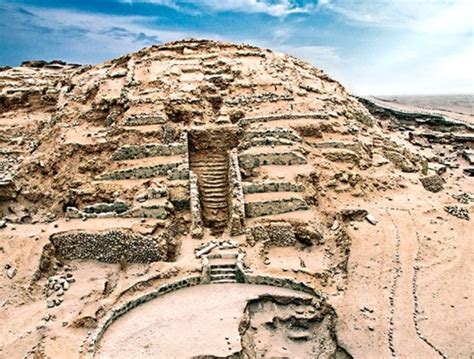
x=214 y=197
x=214 y=164
x=212 y=185
x=223 y=266
x=222 y=281
x=212 y=177
x=220 y=199
x=219 y=205
x=221 y=168
x=213 y=181
x=206 y=174
x=222 y=276
x=209 y=190
x=222 y=202
x=222 y=271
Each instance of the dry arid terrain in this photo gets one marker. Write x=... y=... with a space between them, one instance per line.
x=201 y=199
x=453 y=106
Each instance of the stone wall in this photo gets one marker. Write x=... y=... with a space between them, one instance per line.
x=118 y=312
x=271 y=186
x=277 y=206
x=164 y=169
x=266 y=141
x=116 y=206
x=112 y=246
x=277 y=234
x=237 y=208
x=189 y=282
x=269 y=137
x=159 y=209
x=253 y=160
x=148 y=150
x=196 y=215
x=283 y=283
x=357 y=147
x=143 y=119
x=277 y=132
x=289 y=116
x=283 y=234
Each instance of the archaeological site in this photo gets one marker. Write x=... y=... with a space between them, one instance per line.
x=202 y=199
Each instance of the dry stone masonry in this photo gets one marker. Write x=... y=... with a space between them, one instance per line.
x=114 y=246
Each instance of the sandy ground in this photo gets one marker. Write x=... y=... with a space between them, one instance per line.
x=409 y=282
x=463 y=103
x=200 y=320
x=458 y=107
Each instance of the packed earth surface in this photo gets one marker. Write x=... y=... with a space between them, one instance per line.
x=201 y=199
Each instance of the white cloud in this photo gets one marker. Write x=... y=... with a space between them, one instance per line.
x=426 y=45
x=326 y=58
x=454 y=16
x=91 y=38
x=445 y=73
x=277 y=8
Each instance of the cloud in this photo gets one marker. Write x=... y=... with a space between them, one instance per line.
x=75 y=36
x=120 y=33
x=371 y=46
x=325 y=57
x=429 y=16
x=276 y=8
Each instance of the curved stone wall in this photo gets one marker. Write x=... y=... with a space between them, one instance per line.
x=114 y=314
x=118 y=312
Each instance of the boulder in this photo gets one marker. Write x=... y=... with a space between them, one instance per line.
x=433 y=183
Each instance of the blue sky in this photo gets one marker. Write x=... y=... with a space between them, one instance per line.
x=371 y=46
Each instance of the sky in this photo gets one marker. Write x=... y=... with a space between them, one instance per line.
x=373 y=47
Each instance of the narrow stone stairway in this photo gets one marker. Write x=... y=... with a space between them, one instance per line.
x=223 y=273
x=212 y=172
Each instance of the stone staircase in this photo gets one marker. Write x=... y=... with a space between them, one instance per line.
x=212 y=172
x=223 y=273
